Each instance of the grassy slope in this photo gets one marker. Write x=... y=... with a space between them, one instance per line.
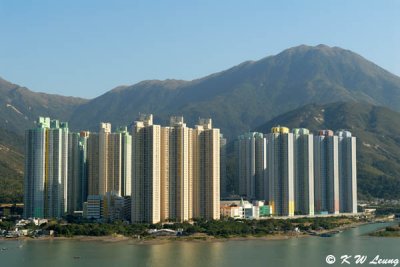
x=11 y=167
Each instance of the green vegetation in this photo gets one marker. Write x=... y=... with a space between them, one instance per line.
x=96 y=229
x=6 y=225
x=222 y=228
x=390 y=231
x=11 y=167
x=20 y=107
x=387 y=209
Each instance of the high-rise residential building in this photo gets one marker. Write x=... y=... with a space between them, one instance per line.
x=35 y=169
x=180 y=170
x=77 y=171
x=109 y=161
x=235 y=175
x=347 y=172
x=73 y=172
x=252 y=166
x=106 y=183
x=176 y=171
x=46 y=167
x=92 y=164
x=245 y=164
x=206 y=170
x=281 y=171
x=84 y=135
x=68 y=172
x=115 y=162
x=164 y=173
x=146 y=163
x=127 y=208
x=326 y=173
x=223 y=178
x=126 y=161
x=303 y=160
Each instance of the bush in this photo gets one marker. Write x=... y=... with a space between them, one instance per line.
x=393 y=228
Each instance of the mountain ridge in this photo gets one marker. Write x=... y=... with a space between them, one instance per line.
x=252 y=92
x=238 y=99
x=249 y=93
x=19 y=106
x=5 y=84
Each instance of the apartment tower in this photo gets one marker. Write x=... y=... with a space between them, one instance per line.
x=206 y=167
x=303 y=151
x=347 y=172
x=46 y=167
x=146 y=162
x=326 y=173
x=180 y=170
x=125 y=157
x=77 y=171
x=92 y=164
x=164 y=174
x=109 y=161
x=252 y=166
x=281 y=171
x=223 y=178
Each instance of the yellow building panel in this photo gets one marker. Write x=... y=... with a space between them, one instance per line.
x=279 y=129
x=272 y=205
x=291 y=208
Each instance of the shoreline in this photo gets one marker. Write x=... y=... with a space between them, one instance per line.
x=159 y=239
x=198 y=237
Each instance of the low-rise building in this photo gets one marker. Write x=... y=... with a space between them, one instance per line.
x=107 y=208
x=162 y=232
x=243 y=209
x=233 y=211
x=113 y=208
x=93 y=208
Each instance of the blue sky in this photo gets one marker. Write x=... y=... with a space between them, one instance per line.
x=85 y=48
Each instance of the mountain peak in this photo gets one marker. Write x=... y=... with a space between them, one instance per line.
x=321 y=48
x=244 y=96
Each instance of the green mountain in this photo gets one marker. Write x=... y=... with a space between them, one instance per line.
x=20 y=107
x=238 y=99
x=11 y=166
x=243 y=97
x=378 y=140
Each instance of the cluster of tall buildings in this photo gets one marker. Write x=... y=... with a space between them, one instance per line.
x=46 y=169
x=167 y=173
x=176 y=171
x=152 y=173
x=297 y=172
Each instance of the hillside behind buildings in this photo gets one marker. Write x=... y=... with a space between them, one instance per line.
x=378 y=137
x=300 y=87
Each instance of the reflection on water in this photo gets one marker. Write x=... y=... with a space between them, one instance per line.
x=309 y=251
